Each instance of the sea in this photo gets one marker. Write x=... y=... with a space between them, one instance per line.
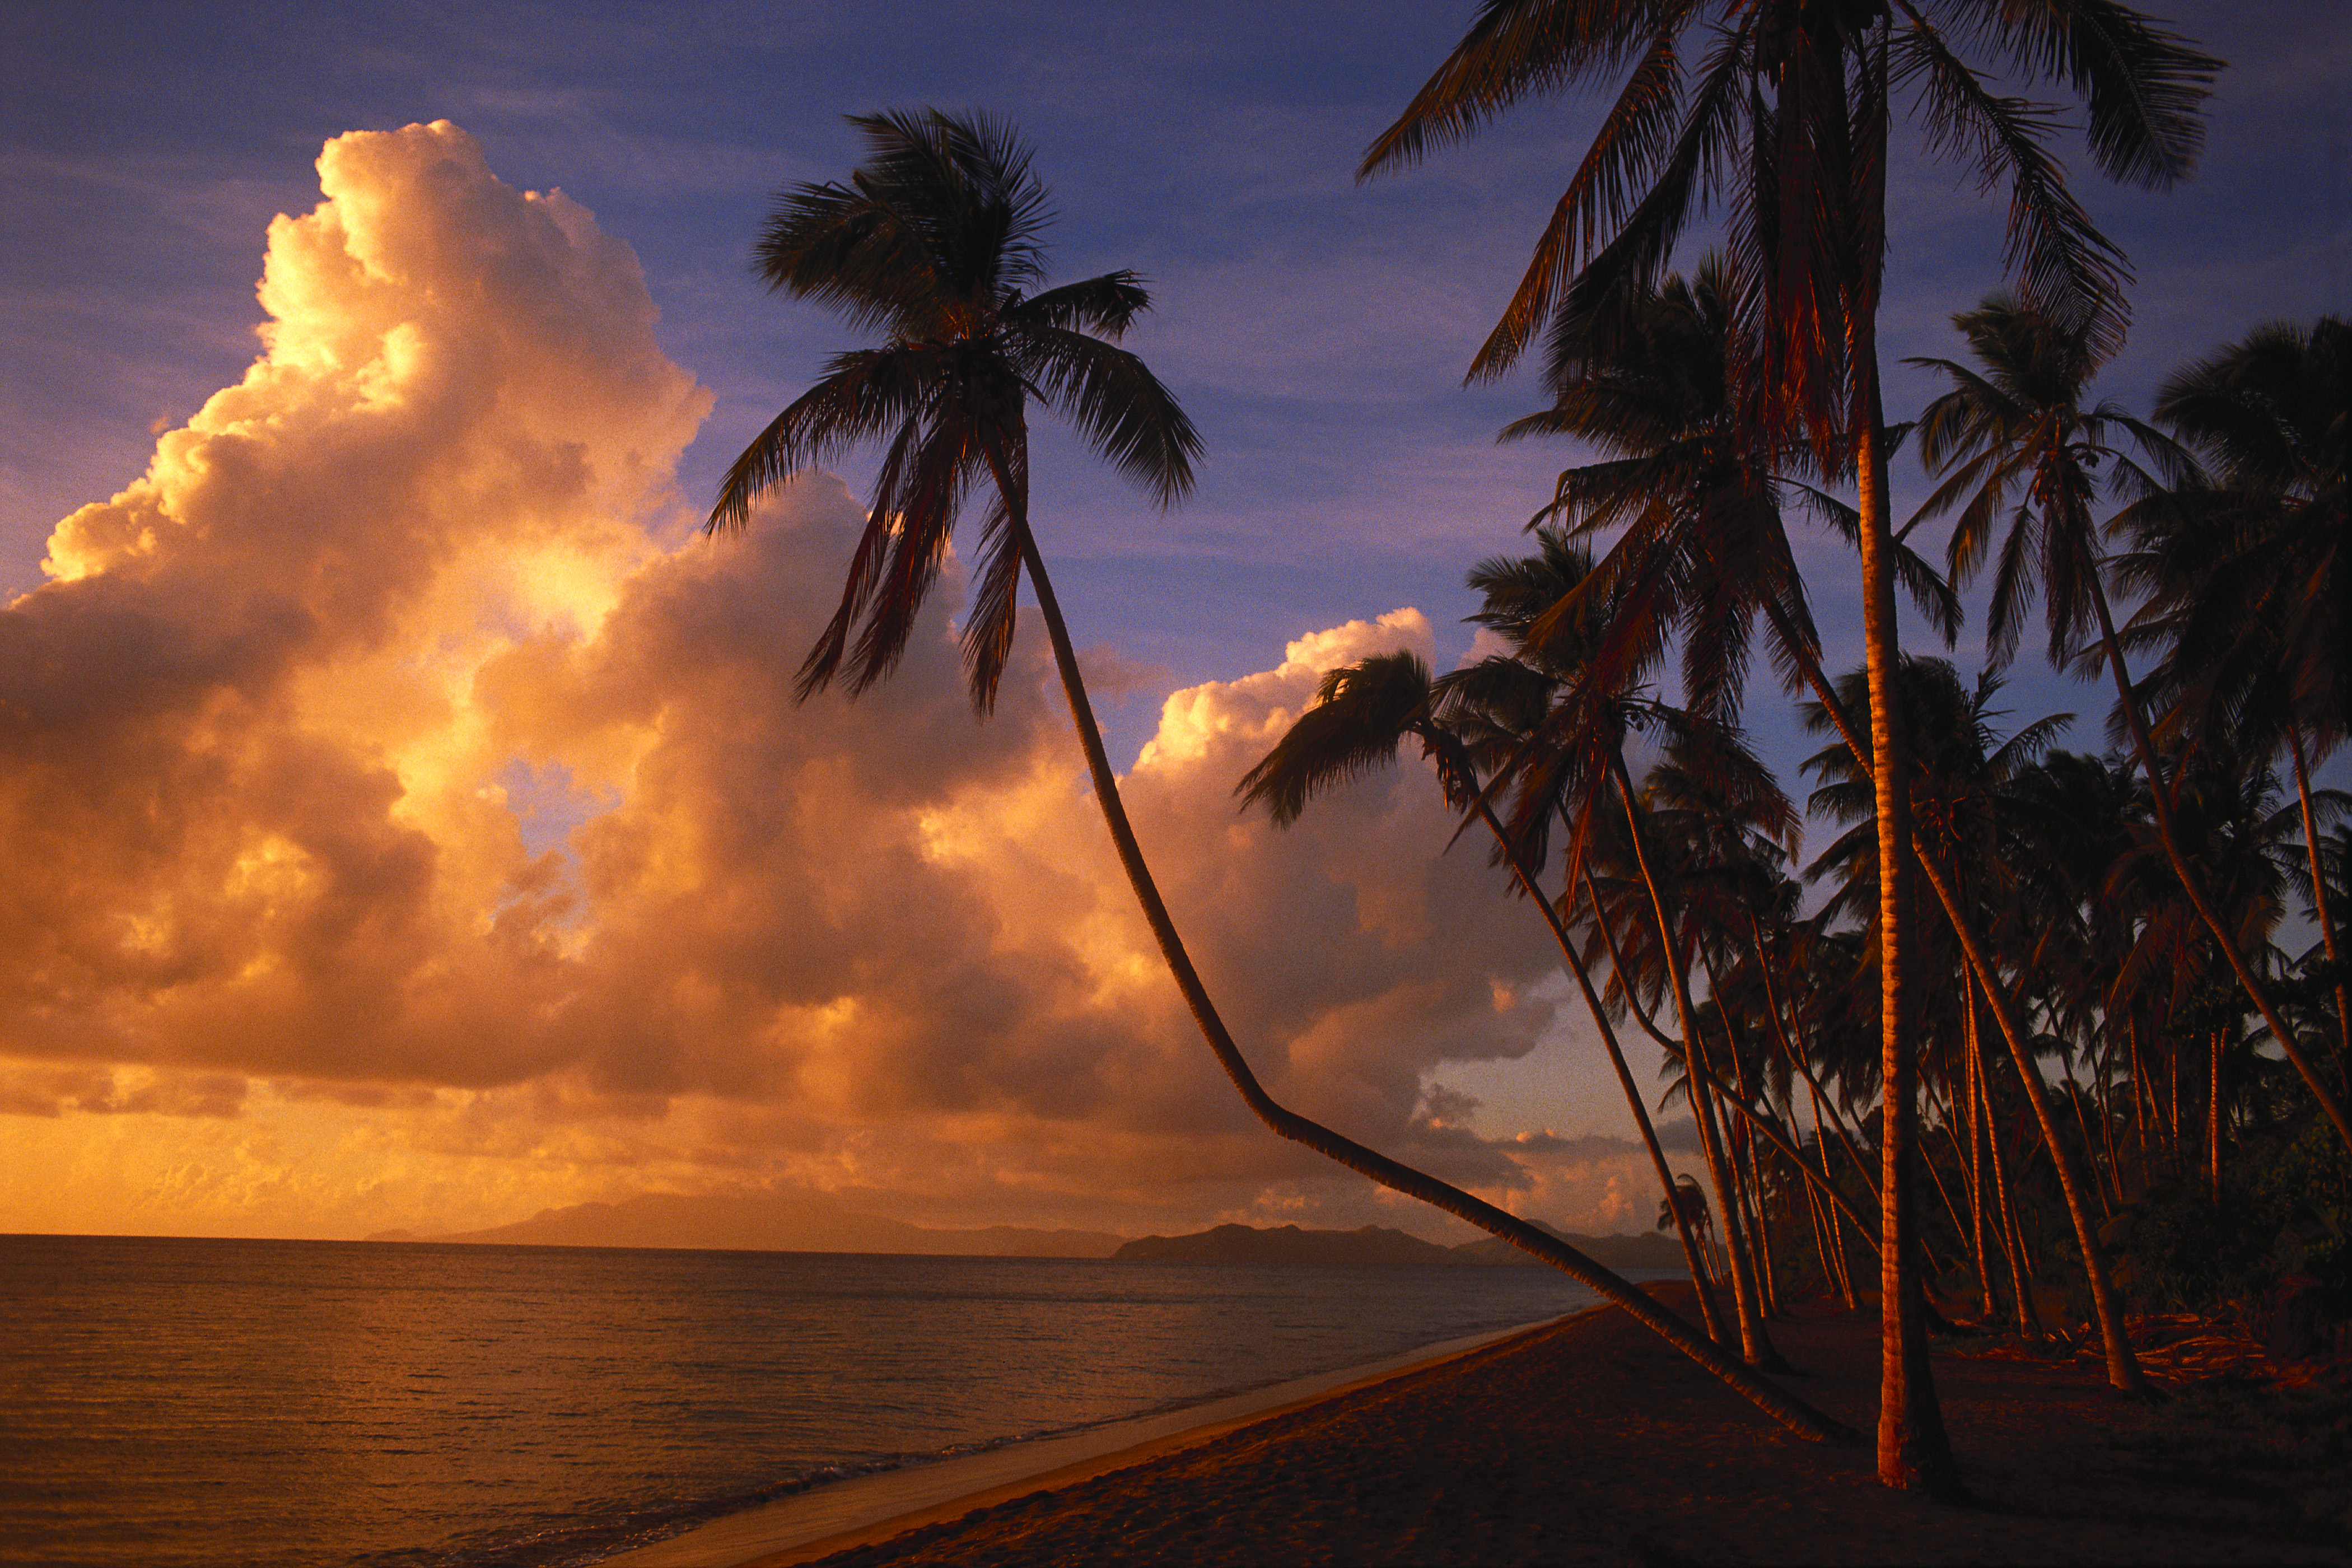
x=169 y=1402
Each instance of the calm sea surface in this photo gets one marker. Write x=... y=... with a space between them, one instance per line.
x=166 y=1403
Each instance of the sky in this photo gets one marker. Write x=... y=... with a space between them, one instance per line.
x=411 y=824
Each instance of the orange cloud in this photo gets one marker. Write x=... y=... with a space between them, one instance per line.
x=411 y=823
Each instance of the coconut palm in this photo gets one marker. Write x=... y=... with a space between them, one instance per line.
x=1783 y=128
x=1963 y=770
x=2022 y=450
x=2249 y=577
x=935 y=243
x=1361 y=717
x=1581 y=699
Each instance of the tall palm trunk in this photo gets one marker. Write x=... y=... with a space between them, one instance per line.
x=1746 y=1160
x=2139 y=1087
x=2000 y=1206
x=1980 y=1125
x=2021 y=1256
x=2074 y=1097
x=1752 y=1117
x=2213 y=1121
x=1759 y=1123
x=1790 y=1412
x=1754 y=1341
x=2123 y=1366
x=2160 y=795
x=1837 y=1232
x=1914 y=1451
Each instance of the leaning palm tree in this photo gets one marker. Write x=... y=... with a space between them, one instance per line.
x=1362 y=715
x=1783 y=128
x=1561 y=626
x=936 y=243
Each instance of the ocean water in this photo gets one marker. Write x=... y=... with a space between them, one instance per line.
x=169 y=1403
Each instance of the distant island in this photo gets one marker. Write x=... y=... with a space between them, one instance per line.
x=800 y=1222
x=765 y=1223
x=1374 y=1244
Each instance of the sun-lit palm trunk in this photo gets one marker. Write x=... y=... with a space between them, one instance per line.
x=1913 y=1450
x=2123 y=1366
x=1790 y=1412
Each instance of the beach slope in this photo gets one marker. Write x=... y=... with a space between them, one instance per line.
x=1591 y=1442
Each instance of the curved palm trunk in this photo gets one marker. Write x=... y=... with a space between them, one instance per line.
x=1837 y=1232
x=1747 y=1158
x=1754 y=1341
x=1710 y=1313
x=2074 y=1097
x=2160 y=795
x=1979 y=1124
x=1999 y=1201
x=2213 y=1124
x=1790 y=1412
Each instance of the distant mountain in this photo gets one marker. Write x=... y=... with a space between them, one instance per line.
x=1244 y=1244
x=767 y=1224
x=1372 y=1244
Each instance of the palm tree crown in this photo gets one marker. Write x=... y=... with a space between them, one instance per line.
x=936 y=243
x=2017 y=447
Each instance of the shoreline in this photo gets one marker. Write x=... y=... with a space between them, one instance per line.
x=862 y=1510
x=1587 y=1440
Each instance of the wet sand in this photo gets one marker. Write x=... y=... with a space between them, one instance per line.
x=1588 y=1442
x=889 y=1502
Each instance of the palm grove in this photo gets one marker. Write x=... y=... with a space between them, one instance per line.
x=2036 y=1039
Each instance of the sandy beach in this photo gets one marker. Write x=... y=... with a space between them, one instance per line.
x=1588 y=1441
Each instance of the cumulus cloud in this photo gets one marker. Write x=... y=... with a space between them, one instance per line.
x=412 y=821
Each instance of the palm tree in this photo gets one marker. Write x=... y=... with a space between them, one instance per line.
x=936 y=243
x=2249 y=577
x=1581 y=699
x=2019 y=430
x=1783 y=128
x=1362 y=715
x=1964 y=771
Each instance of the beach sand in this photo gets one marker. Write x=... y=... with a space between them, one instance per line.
x=1590 y=1441
x=888 y=1503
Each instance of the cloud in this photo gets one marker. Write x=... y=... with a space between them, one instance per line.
x=412 y=821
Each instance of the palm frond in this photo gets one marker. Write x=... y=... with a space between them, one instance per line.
x=1117 y=404
x=2145 y=87
x=1362 y=713
x=1634 y=138
x=2067 y=268
x=1513 y=49
x=1105 y=306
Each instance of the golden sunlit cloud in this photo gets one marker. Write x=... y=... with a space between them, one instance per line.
x=411 y=823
